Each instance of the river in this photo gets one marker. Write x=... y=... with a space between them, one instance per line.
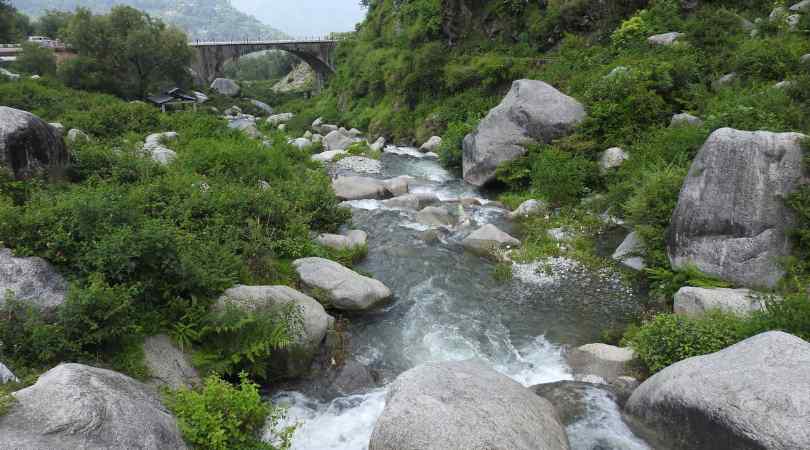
x=448 y=305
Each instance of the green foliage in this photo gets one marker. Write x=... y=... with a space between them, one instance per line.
x=36 y=60
x=668 y=282
x=221 y=416
x=232 y=341
x=770 y=58
x=669 y=338
x=264 y=66
x=550 y=172
x=450 y=151
x=362 y=149
x=125 y=52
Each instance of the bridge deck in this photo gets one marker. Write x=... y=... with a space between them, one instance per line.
x=249 y=42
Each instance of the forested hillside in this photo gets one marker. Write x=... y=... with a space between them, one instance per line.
x=200 y=19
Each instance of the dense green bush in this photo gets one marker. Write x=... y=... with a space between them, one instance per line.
x=450 y=152
x=220 y=416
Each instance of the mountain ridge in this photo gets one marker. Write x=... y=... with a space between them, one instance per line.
x=200 y=19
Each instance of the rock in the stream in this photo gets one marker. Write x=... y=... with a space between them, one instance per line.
x=31 y=280
x=532 y=111
x=753 y=395
x=731 y=220
x=571 y=398
x=74 y=406
x=156 y=148
x=628 y=251
x=695 y=301
x=435 y=216
x=529 y=208
x=487 y=239
x=464 y=405
x=377 y=145
x=612 y=158
x=431 y=145
x=262 y=106
x=167 y=364
x=279 y=119
x=399 y=185
x=359 y=188
x=665 y=39
x=352 y=239
x=328 y=156
x=6 y=376
x=359 y=164
x=226 y=86
x=417 y=200
x=29 y=146
x=343 y=288
x=685 y=119
x=606 y=361
x=296 y=359
x=338 y=140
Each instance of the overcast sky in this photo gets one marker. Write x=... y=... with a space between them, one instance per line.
x=305 y=17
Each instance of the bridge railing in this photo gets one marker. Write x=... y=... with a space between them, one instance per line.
x=259 y=40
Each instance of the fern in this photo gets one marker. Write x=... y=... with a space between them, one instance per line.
x=232 y=340
x=667 y=282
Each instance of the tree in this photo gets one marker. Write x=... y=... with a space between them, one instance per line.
x=127 y=50
x=36 y=59
x=8 y=22
x=53 y=23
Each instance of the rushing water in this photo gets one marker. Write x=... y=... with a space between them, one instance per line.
x=448 y=306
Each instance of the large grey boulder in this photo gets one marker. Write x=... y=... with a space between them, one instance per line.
x=246 y=126
x=628 y=253
x=358 y=188
x=488 y=239
x=226 y=86
x=297 y=359
x=695 y=301
x=168 y=365
x=155 y=147
x=6 y=376
x=377 y=145
x=31 y=280
x=731 y=220
x=431 y=145
x=74 y=406
x=532 y=111
x=416 y=200
x=301 y=143
x=435 y=216
x=338 y=140
x=751 y=396
x=464 y=405
x=605 y=361
x=341 y=287
x=352 y=239
x=29 y=146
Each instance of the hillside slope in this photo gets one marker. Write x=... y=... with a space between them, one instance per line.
x=201 y=19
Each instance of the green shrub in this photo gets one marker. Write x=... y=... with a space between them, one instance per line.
x=450 y=151
x=559 y=176
x=770 y=58
x=669 y=338
x=220 y=416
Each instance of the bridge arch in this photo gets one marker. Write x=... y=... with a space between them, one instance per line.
x=212 y=56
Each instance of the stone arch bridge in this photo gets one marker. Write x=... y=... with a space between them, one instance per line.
x=212 y=56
